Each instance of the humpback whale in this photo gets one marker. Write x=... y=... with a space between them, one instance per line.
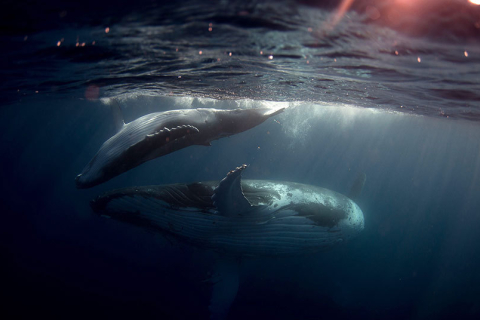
x=238 y=218
x=157 y=134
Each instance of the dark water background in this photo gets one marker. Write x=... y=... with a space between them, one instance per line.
x=362 y=103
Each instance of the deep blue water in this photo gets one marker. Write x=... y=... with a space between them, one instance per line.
x=380 y=96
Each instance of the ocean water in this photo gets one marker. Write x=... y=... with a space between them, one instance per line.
x=387 y=88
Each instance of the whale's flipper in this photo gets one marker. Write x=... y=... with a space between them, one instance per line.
x=173 y=133
x=117 y=115
x=162 y=138
x=357 y=186
x=228 y=197
x=225 y=287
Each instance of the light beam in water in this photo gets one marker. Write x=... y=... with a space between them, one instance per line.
x=338 y=14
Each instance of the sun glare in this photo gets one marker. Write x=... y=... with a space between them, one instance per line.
x=477 y=2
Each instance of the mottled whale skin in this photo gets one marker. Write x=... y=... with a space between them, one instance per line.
x=157 y=134
x=239 y=218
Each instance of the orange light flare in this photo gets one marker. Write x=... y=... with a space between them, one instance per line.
x=407 y=3
x=476 y=2
x=337 y=15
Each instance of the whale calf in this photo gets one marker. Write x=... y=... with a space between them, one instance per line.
x=157 y=134
x=238 y=218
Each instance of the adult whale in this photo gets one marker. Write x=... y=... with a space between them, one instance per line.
x=161 y=133
x=238 y=218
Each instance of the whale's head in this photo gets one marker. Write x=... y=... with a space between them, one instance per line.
x=92 y=175
x=354 y=222
x=87 y=180
x=82 y=182
x=331 y=215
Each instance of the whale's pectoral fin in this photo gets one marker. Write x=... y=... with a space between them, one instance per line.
x=224 y=287
x=162 y=138
x=172 y=134
x=230 y=201
x=357 y=186
x=166 y=135
x=228 y=196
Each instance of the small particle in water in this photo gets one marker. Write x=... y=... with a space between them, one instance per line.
x=310 y=29
x=335 y=60
x=465 y=53
x=107 y=30
x=200 y=52
x=59 y=43
x=93 y=42
x=308 y=61
x=83 y=44
x=77 y=44
x=25 y=38
x=396 y=52
x=276 y=121
x=270 y=57
x=218 y=59
x=210 y=29
x=261 y=52
x=230 y=54
x=36 y=91
x=179 y=77
x=210 y=25
x=258 y=148
x=401 y=106
x=419 y=59
x=176 y=49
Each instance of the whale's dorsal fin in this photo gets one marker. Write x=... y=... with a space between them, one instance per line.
x=357 y=186
x=117 y=115
x=228 y=196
